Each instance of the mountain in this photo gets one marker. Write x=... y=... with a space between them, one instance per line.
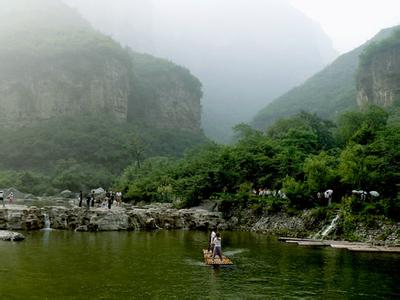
x=77 y=108
x=378 y=75
x=245 y=54
x=327 y=93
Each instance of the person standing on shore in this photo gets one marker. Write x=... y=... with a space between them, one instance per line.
x=88 y=198
x=2 y=198
x=118 y=198
x=80 y=198
x=10 y=198
x=93 y=198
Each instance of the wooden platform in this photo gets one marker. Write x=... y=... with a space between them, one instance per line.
x=216 y=262
x=356 y=247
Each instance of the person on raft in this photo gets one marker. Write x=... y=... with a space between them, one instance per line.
x=217 y=247
x=211 y=242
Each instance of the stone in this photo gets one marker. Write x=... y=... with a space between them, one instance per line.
x=6 y=235
x=67 y=194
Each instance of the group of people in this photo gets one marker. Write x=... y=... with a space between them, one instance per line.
x=327 y=195
x=10 y=198
x=269 y=193
x=105 y=201
x=215 y=244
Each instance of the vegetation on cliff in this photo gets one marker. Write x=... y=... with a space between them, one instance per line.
x=393 y=41
x=328 y=93
x=300 y=156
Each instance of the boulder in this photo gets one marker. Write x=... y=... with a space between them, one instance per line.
x=67 y=194
x=6 y=235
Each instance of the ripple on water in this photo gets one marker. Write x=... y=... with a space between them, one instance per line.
x=234 y=252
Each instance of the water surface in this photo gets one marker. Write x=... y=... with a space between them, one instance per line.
x=168 y=264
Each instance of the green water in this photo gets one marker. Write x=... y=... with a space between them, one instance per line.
x=168 y=264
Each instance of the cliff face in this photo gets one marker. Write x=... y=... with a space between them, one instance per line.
x=379 y=78
x=164 y=95
x=54 y=64
x=27 y=96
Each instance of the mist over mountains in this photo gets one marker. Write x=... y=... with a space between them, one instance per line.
x=245 y=54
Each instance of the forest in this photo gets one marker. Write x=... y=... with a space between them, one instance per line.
x=301 y=156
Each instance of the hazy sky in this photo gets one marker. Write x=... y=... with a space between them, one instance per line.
x=349 y=23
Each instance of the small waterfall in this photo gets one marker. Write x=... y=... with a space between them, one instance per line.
x=330 y=227
x=326 y=231
x=46 y=222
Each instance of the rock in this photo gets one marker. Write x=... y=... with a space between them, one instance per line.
x=378 y=77
x=6 y=235
x=99 y=219
x=82 y=228
x=67 y=194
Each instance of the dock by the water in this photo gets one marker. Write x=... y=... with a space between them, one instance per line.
x=216 y=261
x=351 y=246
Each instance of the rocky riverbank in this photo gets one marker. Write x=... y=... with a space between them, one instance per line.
x=158 y=216
x=306 y=224
x=315 y=224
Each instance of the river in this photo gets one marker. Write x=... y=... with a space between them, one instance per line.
x=167 y=264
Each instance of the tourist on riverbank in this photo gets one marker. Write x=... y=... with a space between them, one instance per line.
x=217 y=246
x=328 y=196
x=110 y=199
x=10 y=198
x=2 y=198
x=88 y=198
x=93 y=198
x=118 y=196
x=80 y=198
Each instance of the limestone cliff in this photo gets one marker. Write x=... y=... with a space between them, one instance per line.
x=52 y=63
x=378 y=78
x=164 y=95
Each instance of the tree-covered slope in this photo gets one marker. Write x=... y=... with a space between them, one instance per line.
x=327 y=93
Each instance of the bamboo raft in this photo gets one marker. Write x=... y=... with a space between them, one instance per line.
x=217 y=261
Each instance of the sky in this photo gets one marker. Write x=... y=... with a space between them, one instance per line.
x=349 y=23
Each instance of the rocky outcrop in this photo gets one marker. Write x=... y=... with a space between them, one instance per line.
x=100 y=219
x=6 y=235
x=60 y=70
x=378 y=80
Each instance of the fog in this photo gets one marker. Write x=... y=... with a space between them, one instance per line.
x=351 y=23
x=244 y=54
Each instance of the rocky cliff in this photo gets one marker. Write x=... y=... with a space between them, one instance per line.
x=165 y=95
x=378 y=78
x=54 y=64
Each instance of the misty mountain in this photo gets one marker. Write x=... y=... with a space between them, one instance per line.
x=78 y=107
x=328 y=93
x=245 y=53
